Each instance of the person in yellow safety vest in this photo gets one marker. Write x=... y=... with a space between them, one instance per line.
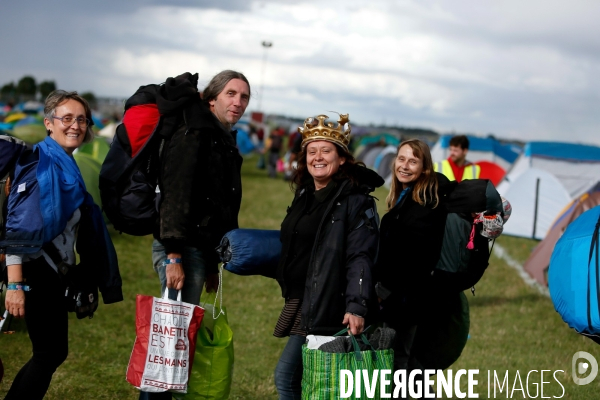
x=456 y=167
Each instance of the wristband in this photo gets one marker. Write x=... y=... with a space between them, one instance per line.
x=171 y=261
x=18 y=286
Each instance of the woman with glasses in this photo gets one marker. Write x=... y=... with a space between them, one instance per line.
x=49 y=211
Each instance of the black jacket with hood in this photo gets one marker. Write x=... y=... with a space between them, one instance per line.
x=339 y=278
x=200 y=183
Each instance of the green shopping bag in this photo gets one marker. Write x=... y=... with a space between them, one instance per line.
x=212 y=370
x=321 y=375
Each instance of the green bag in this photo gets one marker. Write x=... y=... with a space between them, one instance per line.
x=321 y=375
x=212 y=370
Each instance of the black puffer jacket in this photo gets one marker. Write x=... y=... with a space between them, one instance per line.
x=200 y=183
x=339 y=276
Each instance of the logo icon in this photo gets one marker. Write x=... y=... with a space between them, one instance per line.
x=580 y=367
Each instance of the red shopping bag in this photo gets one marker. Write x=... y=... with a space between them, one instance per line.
x=163 y=352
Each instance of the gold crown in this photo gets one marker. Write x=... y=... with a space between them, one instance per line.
x=317 y=129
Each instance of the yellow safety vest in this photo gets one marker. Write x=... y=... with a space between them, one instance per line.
x=470 y=172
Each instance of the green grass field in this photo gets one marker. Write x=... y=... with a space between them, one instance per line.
x=513 y=328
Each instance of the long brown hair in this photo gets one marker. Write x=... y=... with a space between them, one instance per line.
x=425 y=188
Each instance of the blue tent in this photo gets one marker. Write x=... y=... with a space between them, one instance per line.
x=244 y=143
x=97 y=121
x=563 y=151
x=30 y=119
x=574 y=274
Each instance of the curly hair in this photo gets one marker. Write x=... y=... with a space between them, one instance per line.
x=302 y=178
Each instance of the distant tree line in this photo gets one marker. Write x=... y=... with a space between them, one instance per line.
x=27 y=89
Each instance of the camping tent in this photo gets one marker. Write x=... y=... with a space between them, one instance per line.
x=537 y=197
x=491 y=171
x=97 y=149
x=90 y=171
x=370 y=155
x=108 y=131
x=539 y=260
x=384 y=160
x=480 y=149
x=576 y=166
x=573 y=277
x=571 y=169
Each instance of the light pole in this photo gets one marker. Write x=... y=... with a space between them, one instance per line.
x=266 y=45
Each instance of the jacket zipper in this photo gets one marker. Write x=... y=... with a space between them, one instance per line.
x=362 y=272
x=314 y=249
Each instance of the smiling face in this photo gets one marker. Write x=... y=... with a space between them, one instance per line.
x=69 y=138
x=322 y=161
x=407 y=167
x=230 y=104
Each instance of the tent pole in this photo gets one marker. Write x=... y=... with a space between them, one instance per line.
x=535 y=211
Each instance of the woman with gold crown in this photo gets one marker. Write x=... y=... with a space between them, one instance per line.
x=329 y=243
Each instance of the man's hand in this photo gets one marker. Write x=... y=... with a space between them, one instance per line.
x=212 y=283
x=15 y=303
x=175 y=276
x=355 y=324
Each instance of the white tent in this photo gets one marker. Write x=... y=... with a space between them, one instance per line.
x=108 y=131
x=543 y=180
x=537 y=197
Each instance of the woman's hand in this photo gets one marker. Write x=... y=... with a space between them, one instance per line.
x=355 y=324
x=15 y=299
x=15 y=303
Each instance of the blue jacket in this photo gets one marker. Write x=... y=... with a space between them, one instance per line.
x=27 y=226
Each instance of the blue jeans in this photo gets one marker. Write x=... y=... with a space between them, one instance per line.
x=194 y=268
x=288 y=373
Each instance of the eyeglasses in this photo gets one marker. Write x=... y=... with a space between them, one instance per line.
x=68 y=121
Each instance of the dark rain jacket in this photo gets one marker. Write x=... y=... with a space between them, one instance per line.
x=409 y=248
x=200 y=184
x=339 y=278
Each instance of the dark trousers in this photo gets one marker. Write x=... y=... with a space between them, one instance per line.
x=272 y=164
x=288 y=373
x=404 y=359
x=48 y=326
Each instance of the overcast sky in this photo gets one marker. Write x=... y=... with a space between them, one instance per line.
x=527 y=70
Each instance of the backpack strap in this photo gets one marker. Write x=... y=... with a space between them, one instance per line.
x=368 y=217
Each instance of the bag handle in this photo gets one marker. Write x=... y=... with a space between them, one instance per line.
x=219 y=295
x=166 y=295
x=357 y=351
